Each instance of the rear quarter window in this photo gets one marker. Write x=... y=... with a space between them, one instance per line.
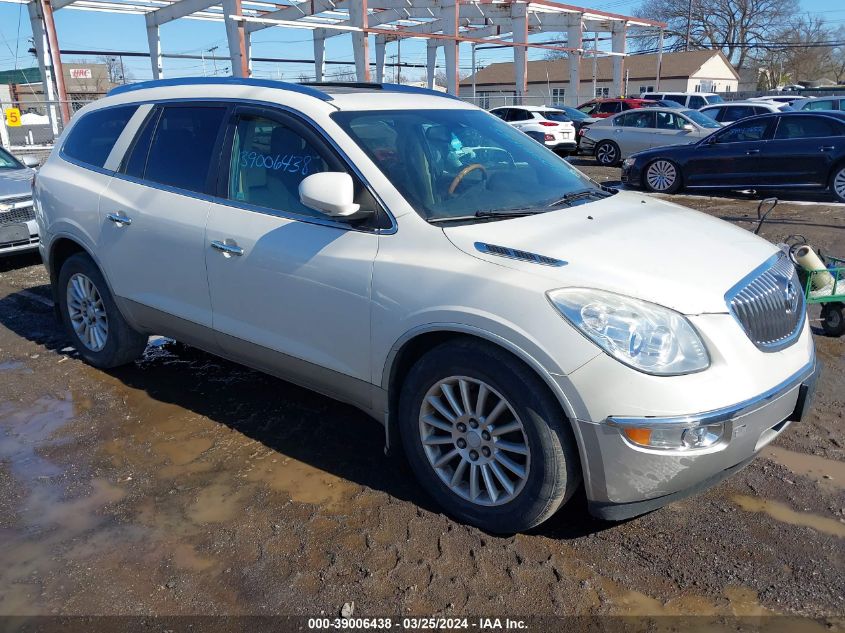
x=92 y=138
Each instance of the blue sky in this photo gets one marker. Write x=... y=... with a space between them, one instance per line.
x=102 y=31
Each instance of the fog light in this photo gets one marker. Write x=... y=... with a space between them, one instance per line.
x=702 y=436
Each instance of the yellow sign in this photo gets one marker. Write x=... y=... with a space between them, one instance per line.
x=13 y=117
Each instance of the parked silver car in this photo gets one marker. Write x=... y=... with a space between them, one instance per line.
x=617 y=137
x=18 y=231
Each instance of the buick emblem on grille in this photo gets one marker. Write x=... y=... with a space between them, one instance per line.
x=5 y=208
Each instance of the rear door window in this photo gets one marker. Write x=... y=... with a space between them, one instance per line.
x=735 y=113
x=135 y=161
x=609 y=107
x=181 y=152
x=643 y=119
x=696 y=102
x=807 y=127
x=92 y=138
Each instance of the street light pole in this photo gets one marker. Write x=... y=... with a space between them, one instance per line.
x=689 y=24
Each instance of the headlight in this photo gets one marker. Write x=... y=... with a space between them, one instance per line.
x=645 y=336
x=628 y=161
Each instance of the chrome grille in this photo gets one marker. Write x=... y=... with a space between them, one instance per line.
x=14 y=210
x=769 y=304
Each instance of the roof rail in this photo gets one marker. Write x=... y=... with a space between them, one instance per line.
x=224 y=81
x=386 y=87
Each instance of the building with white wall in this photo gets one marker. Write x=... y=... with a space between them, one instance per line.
x=548 y=80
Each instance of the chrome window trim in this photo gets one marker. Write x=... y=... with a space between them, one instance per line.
x=723 y=414
x=742 y=283
x=392 y=229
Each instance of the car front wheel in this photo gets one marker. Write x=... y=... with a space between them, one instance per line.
x=486 y=438
x=662 y=176
x=99 y=332
x=608 y=154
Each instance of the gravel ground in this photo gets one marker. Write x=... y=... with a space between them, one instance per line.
x=184 y=484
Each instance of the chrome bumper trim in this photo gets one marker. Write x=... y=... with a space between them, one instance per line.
x=806 y=375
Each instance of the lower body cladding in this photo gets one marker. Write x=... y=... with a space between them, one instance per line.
x=627 y=475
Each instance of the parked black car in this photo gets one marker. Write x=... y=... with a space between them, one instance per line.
x=779 y=151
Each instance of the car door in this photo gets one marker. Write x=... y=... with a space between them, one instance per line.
x=730 y=158
x=154 y=213
x=633 y=131
x=802 y=150
x=289 y=287
x=669 y=129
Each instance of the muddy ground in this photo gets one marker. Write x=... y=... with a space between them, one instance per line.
x=184 y=484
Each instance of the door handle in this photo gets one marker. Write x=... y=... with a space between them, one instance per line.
x=228 y=248
x=753 y=151
x=119 y=218
x=827 y=148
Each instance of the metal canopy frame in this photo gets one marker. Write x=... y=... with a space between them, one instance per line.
x=442 y=23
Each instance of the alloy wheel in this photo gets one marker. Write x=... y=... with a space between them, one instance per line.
x=839 y=184
x=474 y=441
x=87 y=312
x=606 y=154
x=661 y=175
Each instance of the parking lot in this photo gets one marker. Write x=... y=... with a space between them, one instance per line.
x=184 y=484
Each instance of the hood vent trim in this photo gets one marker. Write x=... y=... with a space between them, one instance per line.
x=512 y=253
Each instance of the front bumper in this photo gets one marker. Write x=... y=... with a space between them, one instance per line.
x=21 y=243
x=627 y=479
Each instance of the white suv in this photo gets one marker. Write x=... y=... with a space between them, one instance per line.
x=549 y=125
x=516 y=327
x=692 y=100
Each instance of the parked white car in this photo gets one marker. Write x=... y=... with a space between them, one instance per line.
x=692 y=100
x=732 y=111
x=835 y=102
x=613 y=139
x=516 y=327
x=18 y=230
x=555 y=126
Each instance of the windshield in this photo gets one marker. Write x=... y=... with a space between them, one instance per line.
x=7 y=161
x=456 y=163
x=714 y=99
x=702 y=119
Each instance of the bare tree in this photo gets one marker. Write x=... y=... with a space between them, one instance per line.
x=732 y=26
x=806 y=49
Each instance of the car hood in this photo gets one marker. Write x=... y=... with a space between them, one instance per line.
x=631 y=244
x=15 y=182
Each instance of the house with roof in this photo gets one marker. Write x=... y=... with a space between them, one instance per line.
x=548 y=80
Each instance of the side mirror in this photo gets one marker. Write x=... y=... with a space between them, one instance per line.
x=330 y=192
x=30 y=161
x=688 y=127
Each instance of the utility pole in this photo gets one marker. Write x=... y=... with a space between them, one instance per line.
x=122 y=72
x=689 y=24
x=398 y=60
x=473 y=69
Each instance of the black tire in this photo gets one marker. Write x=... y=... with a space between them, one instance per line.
x=122 y=343
x=837 y=182
x=555 y=471
x=677 y=182
x=608 y=154
x=833 y=319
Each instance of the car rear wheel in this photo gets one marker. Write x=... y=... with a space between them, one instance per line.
x=662 y=176
x=99 y=332
x=608 y=154
x=837 y=184
x=486 y=438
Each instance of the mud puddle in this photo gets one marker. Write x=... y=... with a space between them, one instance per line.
x=785 y=514
x=827 y=472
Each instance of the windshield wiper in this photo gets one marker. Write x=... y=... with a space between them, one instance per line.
x=487 y=214
x=578 y=195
